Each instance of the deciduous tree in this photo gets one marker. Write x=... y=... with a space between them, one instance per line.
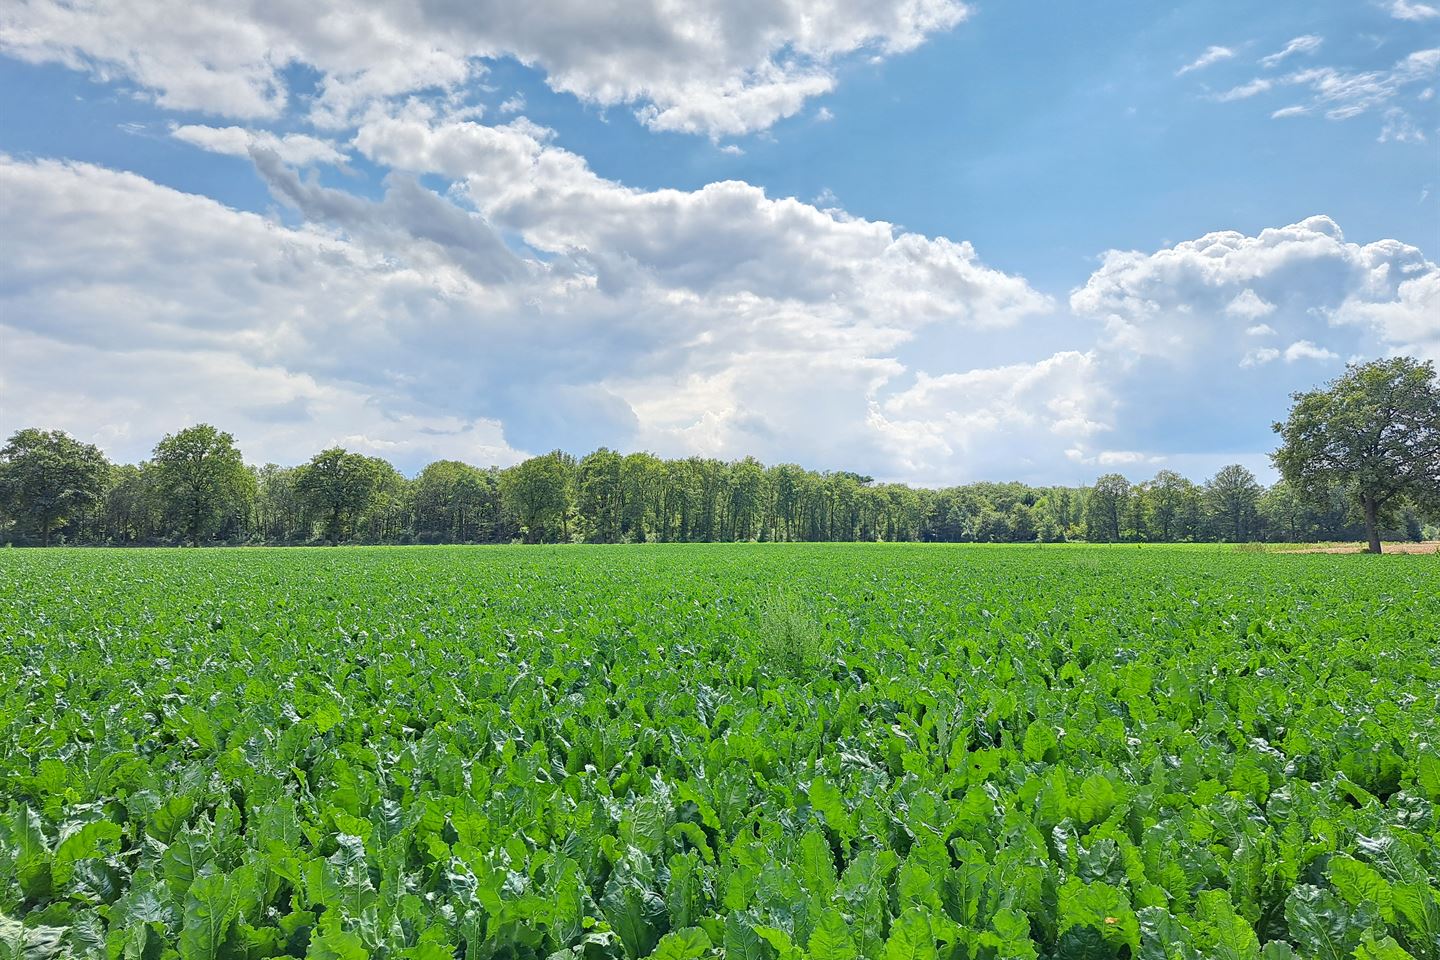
x=1231 y=496
x=455 y=502
x=201 y=479
x=538 y=492
x=1375 y=430
x=48 y=478
x=600 y=495
x=1105 y=508
x=1166 y=500
x=340 y=486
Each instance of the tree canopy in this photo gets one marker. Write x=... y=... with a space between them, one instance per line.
x=203 y=476
x=1232 y=495
x=341 y=485
x=539 y=491
x=1374 y=431
x=47 y=478
x=342 y=496
x=1105 y=507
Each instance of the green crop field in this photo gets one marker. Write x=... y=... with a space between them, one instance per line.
x=892 y=751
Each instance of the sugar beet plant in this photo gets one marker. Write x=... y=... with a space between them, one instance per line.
x=577 y=754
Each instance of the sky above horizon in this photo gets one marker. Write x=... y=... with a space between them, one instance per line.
x=930 y=241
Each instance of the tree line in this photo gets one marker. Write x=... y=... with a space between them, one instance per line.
x=196 y=488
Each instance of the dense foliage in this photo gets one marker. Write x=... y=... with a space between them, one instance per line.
x=1374 y=431
x=909 y=751
x=196 y=490
x=54 y=479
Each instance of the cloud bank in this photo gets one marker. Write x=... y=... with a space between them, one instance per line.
x=536 y=304
x=714 y=67
x=490 y=295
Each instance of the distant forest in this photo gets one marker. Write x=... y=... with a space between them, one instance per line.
x=197 y=489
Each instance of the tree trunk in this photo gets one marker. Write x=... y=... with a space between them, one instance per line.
x=1372 y=526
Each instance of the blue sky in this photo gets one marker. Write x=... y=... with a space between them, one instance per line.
x=482 y=234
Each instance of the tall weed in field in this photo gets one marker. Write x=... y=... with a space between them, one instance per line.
x=791 y=638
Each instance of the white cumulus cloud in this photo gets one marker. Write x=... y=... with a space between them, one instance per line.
x=1200 y=296
x=1259 y=357
x=499 y=297
x=1052 y=404
x=706 y=66
x=1249 y=305
x=297 y=149
x=715 y=321
x=1413 y=10
x=1305 y=350
x=1174 y=320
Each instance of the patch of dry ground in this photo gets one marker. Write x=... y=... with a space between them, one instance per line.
x=1428 y=546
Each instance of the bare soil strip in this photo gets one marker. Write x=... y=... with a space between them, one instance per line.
x=1428 y=546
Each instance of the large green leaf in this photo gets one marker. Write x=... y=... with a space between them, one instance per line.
x=687 y=944
x=37 y=942
x=911 y=937
x=828 y=800
x=635 y=912
x=330 y=942
x=1360 y=883
x=1383 y=949
x=81 y=842
x=831 y=940
x=211 y=904
x=741 y=942
x=1320 y=924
